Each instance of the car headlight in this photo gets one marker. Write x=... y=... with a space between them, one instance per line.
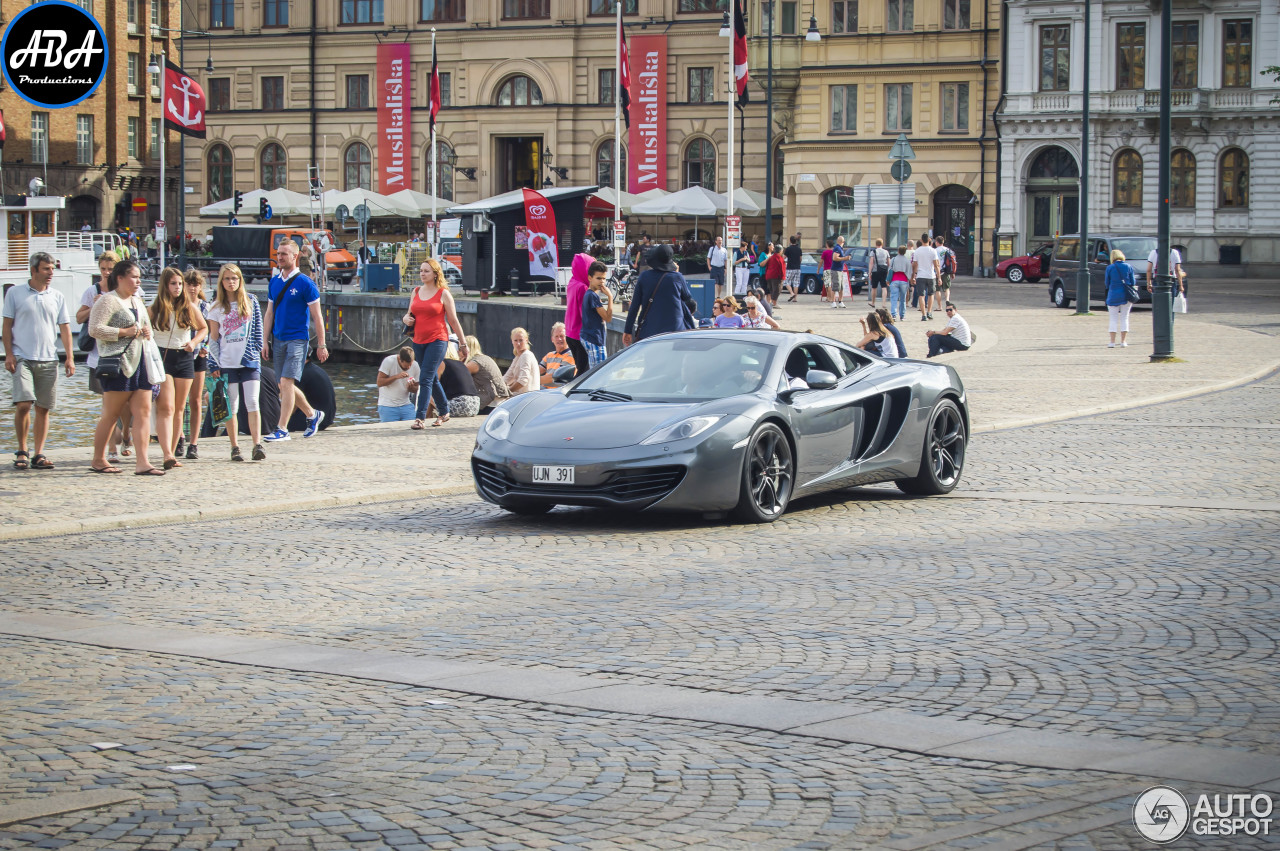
x=498 y=426
x=683 y=430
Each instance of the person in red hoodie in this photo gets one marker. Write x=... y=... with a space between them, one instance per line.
x=574 y=292
x=775 y=270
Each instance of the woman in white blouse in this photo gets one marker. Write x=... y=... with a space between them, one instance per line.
x=522 y=375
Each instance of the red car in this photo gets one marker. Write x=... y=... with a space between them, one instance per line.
x=1029 y=267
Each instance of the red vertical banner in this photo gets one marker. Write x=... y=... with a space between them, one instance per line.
x=540 y=218
x=395 y=165
x=647 y=142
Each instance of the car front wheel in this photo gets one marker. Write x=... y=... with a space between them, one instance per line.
x=768 y=474
x=1059 y=295
x=1015 y=275
x=809 y=284
x=943 y=461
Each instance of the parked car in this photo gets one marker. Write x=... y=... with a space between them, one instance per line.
x=856 y=264
x=1031 y=266
x=1066 y=263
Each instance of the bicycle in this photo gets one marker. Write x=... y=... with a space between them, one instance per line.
x=622 y=286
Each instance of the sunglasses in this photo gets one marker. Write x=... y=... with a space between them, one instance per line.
x=951 y=310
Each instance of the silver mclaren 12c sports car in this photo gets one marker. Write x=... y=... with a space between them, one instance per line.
x=738 y=421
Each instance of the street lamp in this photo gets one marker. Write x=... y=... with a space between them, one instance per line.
x=1082 y=274
x=813 y=34
x=768 y=129
x=1162 y=295
x=156 y=66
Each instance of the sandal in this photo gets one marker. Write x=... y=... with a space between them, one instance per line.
x=39 y=462
x=125 y=451
x=440 y=421
x=171 y=463
x=112 y=456
x=107 y=469
x=20 y=459
x=418 y=425
x=150 y=471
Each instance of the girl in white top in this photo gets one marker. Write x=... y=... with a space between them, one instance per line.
x=178 y=328
x=522 y=375
x=876 y=338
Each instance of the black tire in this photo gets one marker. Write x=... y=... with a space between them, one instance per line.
x=529 y=509
x=942 y=461
x=768 y=476
x=1058 y=295
x=810 y=285
x=1015 y=274
x=1033 y=279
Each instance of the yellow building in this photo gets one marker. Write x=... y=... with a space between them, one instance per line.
x=926 y=68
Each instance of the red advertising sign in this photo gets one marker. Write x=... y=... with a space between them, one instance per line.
x=395 y=163
x=544 y=257
x=647 y=143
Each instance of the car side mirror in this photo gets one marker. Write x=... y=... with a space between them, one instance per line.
x=819 y=379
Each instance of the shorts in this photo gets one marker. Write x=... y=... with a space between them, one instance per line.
x=793 y=279
x=201 y=363
x=878 y=278
x=924 y=289
x=128 y=383
x=595 y=354
x=242 y=374
x=36 y=381
x=946 y=281
x=289 y=357
x=179 y=363
x=773 y=286
x=395 y=413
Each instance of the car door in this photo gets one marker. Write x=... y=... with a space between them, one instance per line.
x=822 y=420
x=1098 y=261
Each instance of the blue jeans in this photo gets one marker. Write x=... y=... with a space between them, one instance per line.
x=399 y=413
x=429 y=357
x=898 y=299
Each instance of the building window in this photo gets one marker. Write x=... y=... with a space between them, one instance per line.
x=844 y=16
x=844 y=109
x=955 y=14
x=133 y=76
x=444 y=11
x=700 y=164
x=610 y=7
x=1237 y=54
x=84 y=139
x=702 y=85
x=155 y=139
x=902 y=16
x=357 y=91
x=1233 y=187
x=218 y=161
x=1131 y=56
x=1055 y=59
x=222 y=14
x=897 y=108
x=838 y=218
x=519 y=9
x=1186 y=55
x=703 y=5
x=955 y=106
x=361 y=11
x=1054 y=164
x=446 y=89
x=133 y=131
x=358 y=167
x=789 y=21
x=273 y=93
x=275 y=13
x=519 y=91
x=1182 y=178
x=274 y=167
x=157 y=13
x=604 y=165
x=444 y=171
x=219 y=94
x=154 y=79
x=131 y=15
x=40 y=137
x=608 y=89
x=1128 y=180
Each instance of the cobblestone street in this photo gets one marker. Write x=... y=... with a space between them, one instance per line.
x=1093 y=611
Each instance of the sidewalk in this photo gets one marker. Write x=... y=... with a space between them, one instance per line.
x=1029 y=365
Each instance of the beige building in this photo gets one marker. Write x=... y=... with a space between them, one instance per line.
x=103 y=152
x=527 y=86
x=926 y=68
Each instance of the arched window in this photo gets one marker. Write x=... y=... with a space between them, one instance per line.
x=358 y=171
x=519 y=91
x=700 y=164
x=273 y=167
x=445 y=161
x=1127 y=191
x=1233 y=179
x=1182 y=179
x=838 y=217
x=604 y=165
x=1054 y=163
x=221 y=178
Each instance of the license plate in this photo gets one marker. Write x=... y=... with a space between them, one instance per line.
x=552 y=475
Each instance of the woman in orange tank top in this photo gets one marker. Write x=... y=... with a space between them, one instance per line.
x=431 y=315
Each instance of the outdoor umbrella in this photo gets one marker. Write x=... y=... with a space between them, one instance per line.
x=380 y=206
x=420 y=202
x=742 y=196
x=284 y=202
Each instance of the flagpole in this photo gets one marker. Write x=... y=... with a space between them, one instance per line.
x=163 y=79
x=617 y=136
x=435 y=170
x=733 y=91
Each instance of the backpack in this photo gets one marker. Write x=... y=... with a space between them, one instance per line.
x=949 y=263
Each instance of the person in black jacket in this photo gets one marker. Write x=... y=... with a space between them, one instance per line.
x=662 y=302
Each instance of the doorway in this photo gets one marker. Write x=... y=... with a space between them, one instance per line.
x=1053 y=196
x=519 y=163
x=953 y=218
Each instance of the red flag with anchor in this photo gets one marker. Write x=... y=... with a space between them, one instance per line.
x=740 y=51
x=184 y=102
x=624 y=80
x=434 y=101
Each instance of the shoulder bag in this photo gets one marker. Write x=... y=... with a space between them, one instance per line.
x=644 y=314
x=111 y=366
x=84 y=340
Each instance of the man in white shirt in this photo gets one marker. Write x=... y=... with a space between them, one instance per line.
x=1175 y=269
x=955 y=337
x=924 y=275
x=878 y=271
x=35 y=316
x=397 y=377
x=717 y=257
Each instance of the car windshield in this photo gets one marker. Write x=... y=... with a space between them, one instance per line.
x=1134 y=247
x=682 y=369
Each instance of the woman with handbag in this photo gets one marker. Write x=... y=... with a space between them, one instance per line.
x=1122 y=292
x=120 y=324
x=235 y=352
x=662 y=302
x=178 y=329
x=107 y=261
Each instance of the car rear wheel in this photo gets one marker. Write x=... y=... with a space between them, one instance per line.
x=943 y=461
x=1015 y=275
x=1059 y=295
x=809 y=284
x=768 y=474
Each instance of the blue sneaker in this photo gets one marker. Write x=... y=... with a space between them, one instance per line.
x=313 y=424
x=278 y=434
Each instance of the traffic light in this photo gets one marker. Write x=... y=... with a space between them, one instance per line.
x=262 y=208
x=239 y=202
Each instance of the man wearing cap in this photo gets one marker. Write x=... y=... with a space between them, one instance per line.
x=662 y=302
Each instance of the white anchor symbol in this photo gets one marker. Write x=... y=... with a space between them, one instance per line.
x=185 y=118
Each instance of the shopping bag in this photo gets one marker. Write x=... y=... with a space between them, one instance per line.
x=219 y=400
x=1180 y=303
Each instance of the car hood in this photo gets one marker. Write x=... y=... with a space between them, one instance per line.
x=550 y=419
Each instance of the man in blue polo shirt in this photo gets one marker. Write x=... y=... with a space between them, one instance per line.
x=293 y=305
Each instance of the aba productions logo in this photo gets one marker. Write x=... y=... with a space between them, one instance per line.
x=1161 y=814
x=54 y=53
